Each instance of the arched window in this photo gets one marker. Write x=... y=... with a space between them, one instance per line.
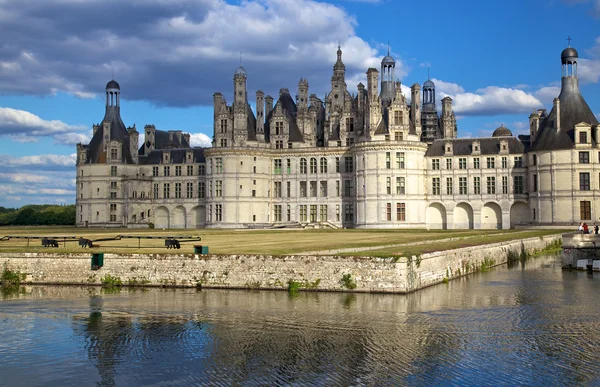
x=323 y=165
x=313 y=165
x=303 y=165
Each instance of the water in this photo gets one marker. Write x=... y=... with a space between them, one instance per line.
x=532 y=325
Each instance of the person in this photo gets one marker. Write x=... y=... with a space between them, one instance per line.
x=580 y=229
x=586 y=230
x=596 y=228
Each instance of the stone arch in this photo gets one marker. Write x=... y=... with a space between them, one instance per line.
x=161 y=217
x=491 y=216
x=199 y=216
x=519 y=214
x=463 y=216
x=179 y=220
x=436 y=216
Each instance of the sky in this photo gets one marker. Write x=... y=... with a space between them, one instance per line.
x=498 y=60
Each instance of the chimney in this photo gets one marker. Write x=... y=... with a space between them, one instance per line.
x=557 y=109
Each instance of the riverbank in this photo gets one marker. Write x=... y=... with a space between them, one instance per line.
x=273 y=272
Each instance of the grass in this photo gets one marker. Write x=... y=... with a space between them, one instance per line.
x=274 y=242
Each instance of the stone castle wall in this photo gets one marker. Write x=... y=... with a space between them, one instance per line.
x=313 y=272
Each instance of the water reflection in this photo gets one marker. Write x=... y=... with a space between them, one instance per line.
x=532 y=324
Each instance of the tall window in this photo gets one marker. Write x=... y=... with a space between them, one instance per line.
x=219 y=188
x=323 y=165
x=584 y=157
x=223 y=126
x=277 y=166
x=435 y=164
x=178 y=170
x=289 y=166
x=337 y=164
x=448 y=163
x=388 y=161
x=323 y=189
x=313 y=213
x=277 y=189
x=201 y=170
x=518 y=185
x=114 y=154
x=505 y=184
x=401 y=212
x=218 y=165
x=462 y=186
x=303 y=213
x=223 y=142
x=201 y=189
x=277 y=213
x=323 y=212
x=189 y=190
x=518 y=162
x=303 y=166
x=397 y=117
x=491 y=162
x=154 y=171
x=491 y=185
x=289 y=189
x=349 y=213
x=313 y=189
x=435 y=186
x=477 y=185
x=350 y=124
x=218 y=212
x=177 y=190
x=166 y=190
x=349 y=164
x=348 y=188
x=476 y=163
x=190 y=170
x=302 y=189
x=388 y=212
x=535 y=183
x=585 y=210
x=400 y=186
x=166 y=171
x=583 y=137
x=400 y=160
x=504 y=162
x=448 y=186
x=155 y=190
x=113 y=170
x=584 y=181
x=313 y=165
x=462 y=163
x=279 y=128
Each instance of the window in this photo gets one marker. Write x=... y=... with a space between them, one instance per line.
x=435 y=164
x=323 y=165
x=155 y=190
x=313 y=213
x=388 y=162
x=504 y=162
x=462 y=163
x=337 y=188
x=462 y=186
x=518 y=185
x=218 y=165
x=348 y=188
x=219 y=188
x=476 y=163
x=113 y=195
x=313 y=165
x=253 y=193
x=166 y=190
x=201 y=170
x=349 y=141
x=277 y=166
x=313 y=189
x=166 y=171
x=113 y=218
x=448 y=163
x=401 y=212
x=585 y=210
x=190 y=170
x=534 y=160
x=177 y=190
x=491 y=185
x=303 y=213
x=113 y=170
x=178 y=170
x=223 y=143
x=435 y=186
x=323 y=213
x=397 y=117
x=201 y=189
x=583 y=137
x=289 y=166
x=400 y=160
x=337 y=212
x=584 y=157
x=323 y=189
x=535 y=183
x=388 y=185
x=303 y=165
x=399 y=136
x=143 y=195
x=504 y=185
x=518 y=162
x=113 y=185
x=289 y=189
x=337 y=164
x=289 y=213
x=448 y=186
x=491 y=163
x=189 y=190
x=277 y=213
x=277 y=189
x=154 y=171
x=278 y=144
x=218 y=212
x=278 y=128
x=350 y=124
x=349 y=213
x=223 y=126
x=400 y=186
x=114 y=154
x=584 y=181
x=477 y=185
x=302 y=189
x=388 y=212
x=113 y=207
x=349 y=164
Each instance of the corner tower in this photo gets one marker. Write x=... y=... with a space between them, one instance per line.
x=240 y=107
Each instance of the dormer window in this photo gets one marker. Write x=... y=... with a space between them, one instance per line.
x=583 y=138
x=165 y=157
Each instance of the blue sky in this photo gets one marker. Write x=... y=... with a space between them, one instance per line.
x=497 y=60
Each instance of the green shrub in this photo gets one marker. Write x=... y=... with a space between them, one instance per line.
x=347 y=282
x=110 y=281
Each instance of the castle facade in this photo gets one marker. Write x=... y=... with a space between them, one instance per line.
x=373 y=159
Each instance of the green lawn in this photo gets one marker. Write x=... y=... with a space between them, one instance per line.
x=260 y=241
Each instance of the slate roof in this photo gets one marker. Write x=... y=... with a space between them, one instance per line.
x=168 y=140
x=573 y=110
x=96 y=153
x=288 y=107
x=464 y=146
x=177 y=156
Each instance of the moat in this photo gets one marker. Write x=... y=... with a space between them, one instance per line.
x=531 y=324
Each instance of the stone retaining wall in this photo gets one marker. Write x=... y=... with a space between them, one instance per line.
x=325 y=273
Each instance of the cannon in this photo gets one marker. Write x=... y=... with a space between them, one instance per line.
x=172 y=244
x=83 y=242
x=49 y=242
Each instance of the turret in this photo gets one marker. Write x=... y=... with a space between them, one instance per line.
x=415 y=110
x=240 y=107
x=534 y=125
x=302 y=98
x=388 y=65
x=448 y=118
x=134 y=137
x=260 y=116
x=150 y=131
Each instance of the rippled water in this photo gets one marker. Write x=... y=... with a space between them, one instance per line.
x=532 y=325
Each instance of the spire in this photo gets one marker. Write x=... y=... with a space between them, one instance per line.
x=569 y=40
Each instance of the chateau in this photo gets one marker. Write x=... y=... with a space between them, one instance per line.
x=370 y=160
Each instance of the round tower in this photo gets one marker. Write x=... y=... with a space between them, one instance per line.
x=568 y=58
x=388 y=67
x=113 y=94
x=428 y=95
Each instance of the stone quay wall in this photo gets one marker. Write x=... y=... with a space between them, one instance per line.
x=251 y=271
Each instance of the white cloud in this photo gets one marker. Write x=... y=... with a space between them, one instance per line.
x=200 y=139
x=38 y=160
x=547 y=94
x=23 y=178
x=492 y=100
x=23 y=126
x=72 y=138
x=447 y=88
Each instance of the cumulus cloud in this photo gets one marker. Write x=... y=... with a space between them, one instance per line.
x=39 y=160
x=491 y=100
x=547 y=94
x=182 y=51
x=200 y=139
